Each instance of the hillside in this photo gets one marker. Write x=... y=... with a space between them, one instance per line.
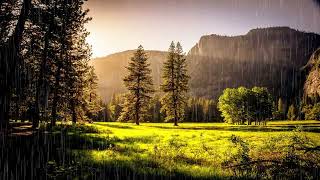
x=270 y=57
x=111 y=70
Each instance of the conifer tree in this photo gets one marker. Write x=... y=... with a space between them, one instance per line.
x=140 y=86
x=292 y=114
x=72 y=62
x=281 y=108
x=175 y=84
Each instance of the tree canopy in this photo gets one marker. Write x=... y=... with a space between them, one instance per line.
x=242 y=104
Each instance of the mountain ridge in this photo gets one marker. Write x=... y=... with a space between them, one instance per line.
x=111 y=70
x=270 y=57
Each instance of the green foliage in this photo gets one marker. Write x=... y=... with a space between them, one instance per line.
x=292 y=112
x=175 y=84
x=312 y=112
x=155 y=113
x=55 y=80
x=202 y=110
x=76 y=128
x=196 y=110
x=140 y=86
x=114 y=107
x=91 y=101
x=242 y=104
x=239 y=157
x=281 y=109
x=283 y=157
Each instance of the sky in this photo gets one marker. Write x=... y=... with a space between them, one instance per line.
x=120 y=25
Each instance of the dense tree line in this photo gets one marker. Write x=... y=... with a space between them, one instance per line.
x=44 y=71
x=196 y=110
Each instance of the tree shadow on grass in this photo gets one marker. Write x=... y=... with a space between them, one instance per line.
x=137 y=168
x=44 y=155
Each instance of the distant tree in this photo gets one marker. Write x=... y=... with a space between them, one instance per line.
x=155 y=110
x=175 y=84
x=201 y=110
x=242 y=104
x=263 y=106
x=292 y=112
x=91 y=101
x=281 y=108
x=140 y=86
x=230 y=105
x=114 y=107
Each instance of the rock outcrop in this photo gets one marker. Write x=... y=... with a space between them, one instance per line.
x=269 y=57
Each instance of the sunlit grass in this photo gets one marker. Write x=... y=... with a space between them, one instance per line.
x=192 y=149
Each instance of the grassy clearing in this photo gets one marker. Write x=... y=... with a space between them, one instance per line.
x=191 y=149
x=161 y=151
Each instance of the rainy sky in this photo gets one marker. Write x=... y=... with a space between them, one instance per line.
x=120 y=25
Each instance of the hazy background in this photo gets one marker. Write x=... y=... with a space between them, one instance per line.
x=120 y=25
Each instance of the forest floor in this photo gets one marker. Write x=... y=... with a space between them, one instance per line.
x=160 y=151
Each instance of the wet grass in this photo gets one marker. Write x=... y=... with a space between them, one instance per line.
x=148 y=151
x=192 y=149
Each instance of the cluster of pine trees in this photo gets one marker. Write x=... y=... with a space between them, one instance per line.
x=44 y=71
x=138 y=101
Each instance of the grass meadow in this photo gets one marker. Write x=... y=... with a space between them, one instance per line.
x=191 y=150
x=112 y=150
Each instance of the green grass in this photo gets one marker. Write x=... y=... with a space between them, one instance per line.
x=195 y=150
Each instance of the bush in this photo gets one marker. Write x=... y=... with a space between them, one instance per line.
x=312 y=113
x=284 y=157
x=76 y=128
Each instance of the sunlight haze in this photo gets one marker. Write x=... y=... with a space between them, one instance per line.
x=120 y=25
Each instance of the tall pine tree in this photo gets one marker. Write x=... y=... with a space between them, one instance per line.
x=72 y=62
x=140 y=86
x=175 y=84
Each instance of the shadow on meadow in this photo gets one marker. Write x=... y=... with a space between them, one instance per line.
x=65 y=153
x=50 y=155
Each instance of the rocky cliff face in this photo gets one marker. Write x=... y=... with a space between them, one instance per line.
x=270 y=57
x=111 y=70
x=312 y=85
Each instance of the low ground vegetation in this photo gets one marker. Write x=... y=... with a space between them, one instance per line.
x=286 y=149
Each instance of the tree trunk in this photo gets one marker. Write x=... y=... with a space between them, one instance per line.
x=55 y=97
x=137 y=118
x=4 y=111
x=175 y=113
x=40 y=82
x=74 y=113
x=9 y=63
x=137 y=112
x=175 y=121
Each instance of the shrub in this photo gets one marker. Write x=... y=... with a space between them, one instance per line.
x=284 y=157
x=312 y=113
